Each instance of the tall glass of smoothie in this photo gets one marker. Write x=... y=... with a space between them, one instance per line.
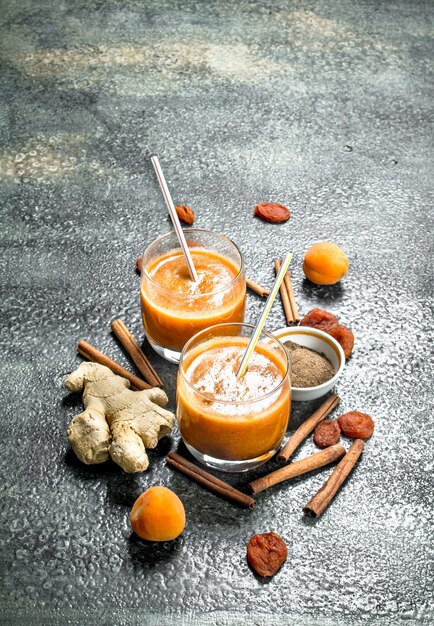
x=229 y=423
x=174 y=307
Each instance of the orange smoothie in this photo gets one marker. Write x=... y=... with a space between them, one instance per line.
x=174 y=308
x=228 y=418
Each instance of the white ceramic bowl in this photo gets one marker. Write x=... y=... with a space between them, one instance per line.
x=320 y=342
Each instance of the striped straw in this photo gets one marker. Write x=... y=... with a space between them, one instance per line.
x=261 y=322
x=175 y=218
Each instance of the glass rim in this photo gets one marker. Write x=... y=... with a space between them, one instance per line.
x=195 y=295
x=207 y=396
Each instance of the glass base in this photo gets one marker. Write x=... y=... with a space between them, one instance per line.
x=223 y=465
x=170 y=355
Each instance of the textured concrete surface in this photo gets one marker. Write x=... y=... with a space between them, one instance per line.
x=325 y=106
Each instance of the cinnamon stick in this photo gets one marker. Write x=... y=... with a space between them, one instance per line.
x=257 y=288
x=290 y=291
x=136 y=353
x=284 y=296
x=323 y=497
x=307 y=427
x=208 y=480
x=92 y=354
x=312 y=462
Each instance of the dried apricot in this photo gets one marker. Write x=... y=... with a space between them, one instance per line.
x=272 y=212
x=193 y=244
x=139 y=264
x=318 y=318
x=325 y=263
x=185 y=214
x=356 y=425
x=266 y=553
x=326 y=433
x=345 y=337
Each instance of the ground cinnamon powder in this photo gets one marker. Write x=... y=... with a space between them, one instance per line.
x=308 y=368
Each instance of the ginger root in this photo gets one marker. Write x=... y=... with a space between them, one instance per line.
x=116 y=422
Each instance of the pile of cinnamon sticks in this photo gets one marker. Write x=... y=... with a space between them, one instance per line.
x=347 y=461
x=286 y=294
x=130 y=345
x=321 y=499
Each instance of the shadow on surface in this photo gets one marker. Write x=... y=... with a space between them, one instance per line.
x=300 y=411
x=124 y=489
x=263 y=580
x=72 y=399
x=89 y=472
x=163 y=448
x=326 y=293
x=120 y=480
x=151 y=553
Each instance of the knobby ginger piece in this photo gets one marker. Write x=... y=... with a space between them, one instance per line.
x=116 y=422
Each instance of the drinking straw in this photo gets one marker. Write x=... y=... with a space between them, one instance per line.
x=175 y=218
x=261 y=322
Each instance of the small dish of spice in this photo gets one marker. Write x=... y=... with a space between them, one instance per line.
x=317 y=360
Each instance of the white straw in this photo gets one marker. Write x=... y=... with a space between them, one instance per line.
x=261 y=322
x=175 y=219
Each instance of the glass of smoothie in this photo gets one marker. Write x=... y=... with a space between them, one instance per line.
x=174 y=307
x=233 y=424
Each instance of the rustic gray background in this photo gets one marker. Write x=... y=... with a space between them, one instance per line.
x=326 y=106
